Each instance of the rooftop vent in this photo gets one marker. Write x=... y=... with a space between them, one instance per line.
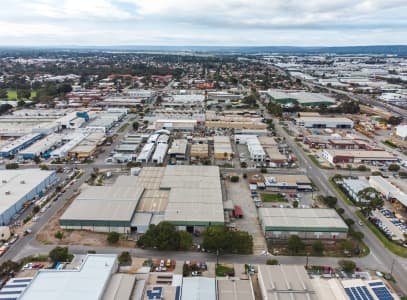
x=22 y=181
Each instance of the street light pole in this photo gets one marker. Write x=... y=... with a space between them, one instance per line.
x=392 y=266
x=306 y=266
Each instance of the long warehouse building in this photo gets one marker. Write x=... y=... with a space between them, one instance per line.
x=20 y=186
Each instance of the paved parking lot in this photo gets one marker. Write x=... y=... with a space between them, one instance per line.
x=240 y=195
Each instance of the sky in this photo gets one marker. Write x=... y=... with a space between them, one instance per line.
x=203 y=22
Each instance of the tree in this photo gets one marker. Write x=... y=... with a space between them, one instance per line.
x=163 y=236
x=185 y=242
x=394 y=168
x=317 y=247
x=59 y=235
x=113 y=237
x=136 y=125
x=60 y=254
x=295 y=204
x=272 y=262
x=219 y=238
x=347 y=265
x=234 y=178
x=373 y=199
x=8 y=267
x=362 y=168
x=263 y=170
x=349 y=221
x=5 y=108
x=23 y=94
x=125 y=258
x=340 y=210
x=295 y=244
x=394 y=120
x=36 y=159
x=357 y=235
x=43 y=167
x=36 y=209
x=243 y=164
x=330 y=201
x=346 y=245
x=20 y=103
x=3 y=94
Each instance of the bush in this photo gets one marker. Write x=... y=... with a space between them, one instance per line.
x=36 y=209
x=377 y=173
x=340 y=210
x=125 y=258
x=357 y=235
x=263 y=170
x=317 y=247
x=349 y=222
x=234 y=178
x=394 y=168
x=113 y=237
x=347 y=265
x=243 y=164
x=220 y=238
x=402 y=174
x=12 y=166
x=362 y=168
x=43 y=167
x=60 y=254
x=272 y=262
x=295 y=204
x=59 y=235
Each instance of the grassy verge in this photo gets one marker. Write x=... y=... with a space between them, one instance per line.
x=123 y=128
x=12 y=95
x=340 y=192
x=390 y=144
x=396 y=249
x=316 y=162
x=221 y=270
x=273 y=198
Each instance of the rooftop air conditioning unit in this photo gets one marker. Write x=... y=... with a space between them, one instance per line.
x=8 y=192
x=22 y=181
x=4 y=181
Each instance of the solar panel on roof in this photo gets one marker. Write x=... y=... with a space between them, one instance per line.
x=22 y=280
x=376 y=283
x=382 y=293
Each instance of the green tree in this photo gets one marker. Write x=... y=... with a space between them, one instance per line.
x=163 y=236
x=347 y=265
x=20 y=103
x=221 y=238
x=394 y=120
x=330 y=201
x=136 y=125
x=113 y=237
x=394 y=168
x=373 y=198
x=295 y=244
x=36 y=159
x=295 y=204
x=234 y=178
x=185 y=242
x=349 y=221
x=340 y=210
x=5 y=108
x=346 y=245
x=59 y=235
x=317 y=247
x=60 y=254
x=23 y=94
x=36 y=209
x=125 y=258
x=12 y=166
x=8 y=267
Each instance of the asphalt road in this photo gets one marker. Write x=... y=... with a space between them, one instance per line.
x=379 y=258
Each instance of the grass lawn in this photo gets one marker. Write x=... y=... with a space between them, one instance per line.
x=396 y=249
x=340 y=192
x=273 y=198
x=390 y=144
x=221 y=270
x=123 y=128
x=12 y=95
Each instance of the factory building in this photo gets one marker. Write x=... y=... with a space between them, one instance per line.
x=178 y=149
x=42 y=147
x=190 y=197
x=307 y=223
x=222 y=147
x=300 y=97
x=160 y=153
x=324 y=122
x=354 y=186
x=357 y=156
x=146 y=153
x=23 y=142
x=19 y=186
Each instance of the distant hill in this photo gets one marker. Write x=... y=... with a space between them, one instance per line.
x=379 y=49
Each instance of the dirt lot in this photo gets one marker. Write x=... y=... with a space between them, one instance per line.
x=74 y=237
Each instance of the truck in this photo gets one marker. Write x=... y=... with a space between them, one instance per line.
x=237 y=212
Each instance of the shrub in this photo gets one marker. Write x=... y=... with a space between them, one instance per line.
x=113 y=237
x=317 y=247
x=125 y=258
x=272 y=262
x=347 y=265
x=234 y=178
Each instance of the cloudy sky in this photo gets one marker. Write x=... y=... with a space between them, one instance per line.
x=203 y=22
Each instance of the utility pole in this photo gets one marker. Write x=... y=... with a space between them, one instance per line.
x=392 y=266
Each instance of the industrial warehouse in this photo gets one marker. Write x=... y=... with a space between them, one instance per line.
x=188 y=196
x=308 y=223
x=20 y=186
